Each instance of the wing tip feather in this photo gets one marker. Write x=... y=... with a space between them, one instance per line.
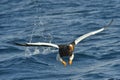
x=19 y=44
x=108 y=24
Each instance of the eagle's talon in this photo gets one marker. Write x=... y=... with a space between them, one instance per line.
x=64 y=63
x=70 y=62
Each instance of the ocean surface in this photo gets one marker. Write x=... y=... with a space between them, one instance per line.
x=60 y=22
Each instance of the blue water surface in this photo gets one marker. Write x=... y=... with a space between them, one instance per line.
x=59 y=21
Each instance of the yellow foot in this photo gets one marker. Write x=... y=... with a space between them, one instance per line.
x=64 y=63
x=70 y=62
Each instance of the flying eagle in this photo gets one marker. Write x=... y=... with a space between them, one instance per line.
x=66 y=49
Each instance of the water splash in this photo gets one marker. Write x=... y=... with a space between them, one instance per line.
x=47 y=37
x=36 y=51
x=27 y=52
x=41 y=33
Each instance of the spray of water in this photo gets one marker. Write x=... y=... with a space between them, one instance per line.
x=39 y=30
x=47 y=37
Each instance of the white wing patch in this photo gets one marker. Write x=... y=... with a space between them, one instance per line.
x=87 y=35
x=43 y=44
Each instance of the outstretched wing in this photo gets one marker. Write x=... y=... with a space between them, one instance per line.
x=39 y=44
x=91 y=33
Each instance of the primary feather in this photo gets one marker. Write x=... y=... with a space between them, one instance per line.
x=39 y=44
